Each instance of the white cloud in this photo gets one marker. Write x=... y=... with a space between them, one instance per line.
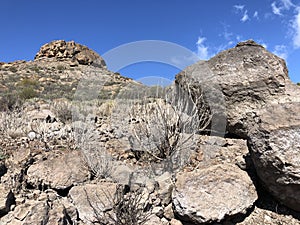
x=276 y=10
x=296 y=28
x=287 y=4
x=282 y=5
x=245 y=17
x=281 y=51
x=202 y=50
x=255 y=15
x=239 y=7
x=226 y=34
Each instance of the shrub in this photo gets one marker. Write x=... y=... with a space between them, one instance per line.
x=10 y=102
x=3 y=154
x=162 y=123
x=35 y=69
x=28 y=93
x=128 y=208
x=13 y=124
x=60 y=67
x=63 y=111
x=13 y=69
x=27 y=82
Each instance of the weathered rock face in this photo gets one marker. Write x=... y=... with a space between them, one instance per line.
x=275 y=147
x=262 y=105
x=210 y=194
x=63 y=50
x=59 y=173
x=248 y=78
x=91 y=200
x=6 y=200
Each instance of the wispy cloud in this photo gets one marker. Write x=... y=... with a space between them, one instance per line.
x=281 y=5
x=276 y=10
x=287 y=4
x=296 y=29
x=226 y=34
x=239 y=7
x=245 y=17
x=255 y=15
x=281 y=51
x=202 y=49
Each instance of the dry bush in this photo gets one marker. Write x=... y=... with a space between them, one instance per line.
x=128 y=208
x=164 y=127
x=13 y=124
x=95 y=155
x=10 y=102
x=62 y=110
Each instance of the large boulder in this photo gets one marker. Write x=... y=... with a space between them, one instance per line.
x=242 y=79
x=275 y=148
x=213 y=193
x=62 y=50
x=249 y=88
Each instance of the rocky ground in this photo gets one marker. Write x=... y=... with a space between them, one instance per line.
x=67 y=155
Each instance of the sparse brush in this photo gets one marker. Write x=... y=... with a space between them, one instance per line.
x=63 y=111
x=164 y=127
x=127 y=208
x=10 y=102
x=13 y=124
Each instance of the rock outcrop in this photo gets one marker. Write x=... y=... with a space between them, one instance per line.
x=260 y=104
x=62 y=50
x=248 y=77
x=275 y=146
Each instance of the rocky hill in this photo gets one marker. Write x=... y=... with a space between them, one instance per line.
x=84 y=145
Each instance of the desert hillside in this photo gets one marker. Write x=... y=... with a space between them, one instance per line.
x=80 y=144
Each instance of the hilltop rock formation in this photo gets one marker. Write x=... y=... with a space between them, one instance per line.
x=62 y=50
x=249 y=88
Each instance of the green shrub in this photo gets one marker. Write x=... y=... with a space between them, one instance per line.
x=60 y=67
x=13 y=69
x=35 y=69
x=3 y=155
x=27 y=82
x=9 y=102
x=27 y=93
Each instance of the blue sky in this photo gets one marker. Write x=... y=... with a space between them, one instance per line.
x=204 y=27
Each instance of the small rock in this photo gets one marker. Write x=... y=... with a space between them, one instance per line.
x=31 y=135
x=158 y=211
x=175 y=222
x=168 y=212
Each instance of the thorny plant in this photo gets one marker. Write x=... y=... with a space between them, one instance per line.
x=94 y=152
x=165 y=126
x=13 y=124
x=122 y=208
